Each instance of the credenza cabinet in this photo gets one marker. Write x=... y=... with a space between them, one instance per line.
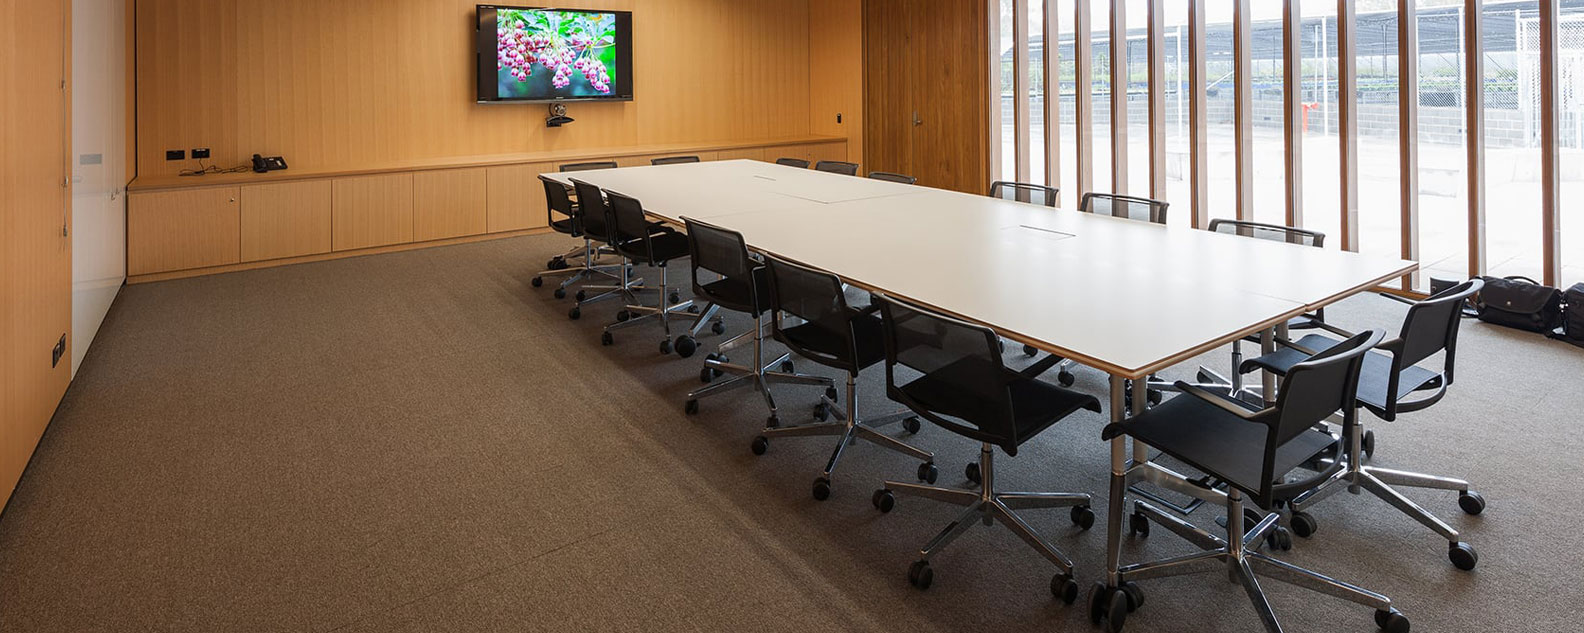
x=189 y=226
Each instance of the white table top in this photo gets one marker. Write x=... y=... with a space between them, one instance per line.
x=1123 y=296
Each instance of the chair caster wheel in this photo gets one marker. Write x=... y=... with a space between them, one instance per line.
x=822 y=489
x=920 y=575
x=560 y=293
x=911 y=425
x=674 y=298
x=1368 y=443
x=536 y=281
x=691 y=408
x=1066 y=378
x=623 y=315
x=1064 y=588
x=1471 y=502
x=773 y=422
x=1304 y=524
x=607 y=339
x=884 y=500
x=581 y=295
x=821 y=412
x=832 y=395
x=928 y=473
x=1084 y=518
x=706 y=375
x=1031 y=351
x=1134 y=594
x=1463 y=556
x=971 y=471
x=1108 y=605
x=556 y=264
x=760 y=445
x=787 y=367
x=1138 y=524
x=1392 y=621
x=693 y=309
x=575 y=314
x=685 y=346
x=718 y=327
x=665 y=346
x=1279 y=539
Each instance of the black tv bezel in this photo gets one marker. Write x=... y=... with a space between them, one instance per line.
x=487 y=65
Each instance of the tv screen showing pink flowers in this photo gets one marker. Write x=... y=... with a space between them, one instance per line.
x=538 y=55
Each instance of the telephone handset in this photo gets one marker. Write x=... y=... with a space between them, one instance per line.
x=262 y=164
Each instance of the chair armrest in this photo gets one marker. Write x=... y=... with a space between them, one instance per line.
x=1334 y=329
x=1289 y=343
x=1396 y=298
x=1218 y=401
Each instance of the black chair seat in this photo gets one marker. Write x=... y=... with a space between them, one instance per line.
x=666 y=246
x=567 y=226
x=821 y=344
x=1036 y=405
x=737 y=295
x=1374 y=380
x=1218 y=443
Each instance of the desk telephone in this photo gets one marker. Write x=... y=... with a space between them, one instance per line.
x=262 y=164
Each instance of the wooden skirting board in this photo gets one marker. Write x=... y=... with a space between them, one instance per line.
x=305 y=259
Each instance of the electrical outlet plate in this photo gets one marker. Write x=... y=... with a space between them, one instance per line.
x=175 y=154
x=200 y=152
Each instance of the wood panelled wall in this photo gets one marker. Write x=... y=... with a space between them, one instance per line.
x=836 y=77
x=350 y=83
x=35 y=253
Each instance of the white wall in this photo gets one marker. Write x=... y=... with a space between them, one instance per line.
x=99 y=165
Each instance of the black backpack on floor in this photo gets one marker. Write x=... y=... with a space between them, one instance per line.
x=1572 y=316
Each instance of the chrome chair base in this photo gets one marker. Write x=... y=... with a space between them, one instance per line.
x=635 y=313
x=588 y=269
x=988 y=506
x=849 y=428
x=1239 y=557
x=759 y=375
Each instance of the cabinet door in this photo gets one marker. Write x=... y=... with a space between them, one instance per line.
x=286 y=219
x=516 y=199
x=373 y=211
x=448 y=203
x=177 y=230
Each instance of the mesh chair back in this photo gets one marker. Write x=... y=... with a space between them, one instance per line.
x=630 y=227
x=725 y=253
x=1273 y=232
x=962 y=374
x=1024 y=192
x=1120 y=206
x=558 y=201
x=1432 y=324
x=890 y=177
x=793 y=162
x=603 y=164
x=837 y=167
x=816 y=298
x=592 y=211
x=1320 y=386
x=674 y=160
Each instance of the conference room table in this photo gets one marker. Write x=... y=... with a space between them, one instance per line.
x=1128 y=298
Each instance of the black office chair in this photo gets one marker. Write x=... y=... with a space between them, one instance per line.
x=674 y=160
x=558 y=202
x=1120 y=206
x=741 y=284
x=594 y=215
x=793 y=162
x=1392 y=382
x=1249 y=449
x=890 y=177
x=837 y=167
x=646 y=243
x=1024 y=192
x=962 y=386
x=830 y=332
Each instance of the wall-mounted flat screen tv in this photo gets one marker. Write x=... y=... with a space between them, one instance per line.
x=536 y=55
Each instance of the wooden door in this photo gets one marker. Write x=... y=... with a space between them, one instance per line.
x=924 y=78
x=888 y=93
x=35 y=247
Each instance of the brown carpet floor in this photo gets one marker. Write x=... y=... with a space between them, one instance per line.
x=423 y=442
